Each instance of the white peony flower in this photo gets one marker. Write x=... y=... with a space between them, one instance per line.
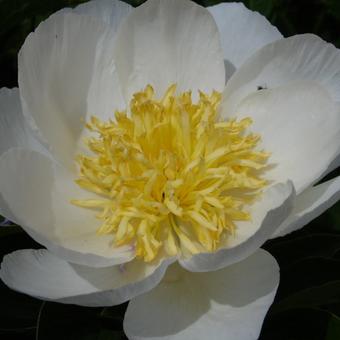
x=172 y=196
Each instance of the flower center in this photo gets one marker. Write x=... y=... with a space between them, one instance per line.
x=171 y=177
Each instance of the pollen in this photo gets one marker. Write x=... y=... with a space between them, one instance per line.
x=170 y=177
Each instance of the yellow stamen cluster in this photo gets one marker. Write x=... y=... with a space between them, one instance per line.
x=171 y=178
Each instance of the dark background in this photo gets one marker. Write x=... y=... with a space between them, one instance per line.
x=307 y=306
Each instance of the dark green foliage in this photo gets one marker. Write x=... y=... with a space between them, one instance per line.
x=307 y=306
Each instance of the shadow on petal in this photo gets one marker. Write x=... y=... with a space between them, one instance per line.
x=232 y=301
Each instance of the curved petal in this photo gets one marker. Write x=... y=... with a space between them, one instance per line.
x=105 y=95
x=37 y=192
x=334 y=164
x=40 y=274
x=5 y=211
x=242 y=31
x=300 y=126
x=169 y=41
x=309 y=205
x=111 y=12
x=14 y=130
x=227 y=304
x=55 y=70
x=301 y=57
x=267 y=215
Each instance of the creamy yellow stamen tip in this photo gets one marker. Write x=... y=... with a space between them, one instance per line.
x=171 y=178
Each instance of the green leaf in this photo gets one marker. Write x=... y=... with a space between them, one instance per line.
x=328 y=293
x=287 y=251
x=114 y=313
x=18 y=314
x=333 y=331
x=313 y=271
x=13 y=238
x=10 y=230
x=297 y=324
x=60 y=321
x=111 y=335
x=134 y=3
x=265 y=7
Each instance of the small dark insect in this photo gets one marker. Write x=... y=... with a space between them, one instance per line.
x=259 y=88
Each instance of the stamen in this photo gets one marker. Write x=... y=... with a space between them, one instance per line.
x=171 y=178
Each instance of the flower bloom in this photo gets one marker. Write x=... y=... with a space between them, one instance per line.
x=152 y=151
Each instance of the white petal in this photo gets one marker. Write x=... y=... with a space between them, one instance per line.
x=334 y=165
x=111 y=12
x=300 y=126
x=40 y=274
x=169 y=41
x=310 y=204
x=14 y=130
x=55 y=71
x=5 y=211
x=301 y=57
x=242 y=31
x=37 y=192
x=105 y=94
x=227 y=304
x=267 y=215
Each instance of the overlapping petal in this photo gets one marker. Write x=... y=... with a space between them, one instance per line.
x=267 y=215
x=55 y=71
x=300 y=126
x=169 y=41
x=41 y=274
x=297 y=58
x=309 y=205
x=14 y=130
x=334 y=165
x=5 y=211
x=227 y=304
x=242 y=33
x=105 y=93
x=38 y=191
